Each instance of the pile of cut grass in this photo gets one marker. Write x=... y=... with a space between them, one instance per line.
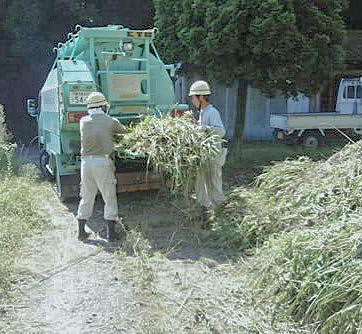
x=292 y=194
x=305 y=220
x=315 y=275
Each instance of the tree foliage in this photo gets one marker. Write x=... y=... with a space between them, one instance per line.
x=281 y=45
x=168 y=43
x=35 y=24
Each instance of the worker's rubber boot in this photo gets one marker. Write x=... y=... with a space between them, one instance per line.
x=82 y=234
x=111 y=233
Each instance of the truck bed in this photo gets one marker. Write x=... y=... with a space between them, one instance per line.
x=323 y=120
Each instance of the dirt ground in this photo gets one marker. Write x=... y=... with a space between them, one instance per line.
x=161 y=277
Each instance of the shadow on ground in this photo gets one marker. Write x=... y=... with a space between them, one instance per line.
x=168 y=226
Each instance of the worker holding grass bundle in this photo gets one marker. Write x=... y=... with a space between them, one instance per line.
x=97 y=168
x=209 y=192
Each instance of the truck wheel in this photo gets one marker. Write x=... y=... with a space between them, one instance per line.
x=311 y=141
x=43 y=162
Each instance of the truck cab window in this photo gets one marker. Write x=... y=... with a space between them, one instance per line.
x=359 y=92
x=350 y=92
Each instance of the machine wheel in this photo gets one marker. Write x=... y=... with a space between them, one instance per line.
x=311 y=141
x=43 y=162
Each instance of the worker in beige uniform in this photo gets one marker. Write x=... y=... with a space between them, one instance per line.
x=97 y=131
x=209 y=191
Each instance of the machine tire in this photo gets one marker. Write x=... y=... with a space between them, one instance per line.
x=311 y=141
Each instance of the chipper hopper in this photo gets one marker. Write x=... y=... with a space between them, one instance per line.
x=124 y=65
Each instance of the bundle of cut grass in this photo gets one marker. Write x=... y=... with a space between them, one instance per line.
x=315 y=275
x=292 y=194
x=173 y=146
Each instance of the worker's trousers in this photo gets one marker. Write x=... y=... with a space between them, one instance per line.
x=97 y=173
x=209 y=183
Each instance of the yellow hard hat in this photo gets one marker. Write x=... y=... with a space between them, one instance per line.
x=96 y=99
x=200 y=88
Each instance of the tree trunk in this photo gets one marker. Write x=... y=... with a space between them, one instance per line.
x=236 y=144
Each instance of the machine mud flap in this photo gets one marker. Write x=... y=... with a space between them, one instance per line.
x=68 y=186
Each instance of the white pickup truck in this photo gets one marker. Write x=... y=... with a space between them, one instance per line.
x=311 y=129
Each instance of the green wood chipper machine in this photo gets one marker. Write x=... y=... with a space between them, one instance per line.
x=124 y=65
